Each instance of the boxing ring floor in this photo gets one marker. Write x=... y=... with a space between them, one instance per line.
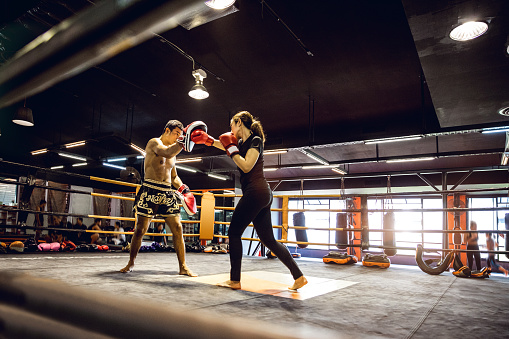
x=352 y=301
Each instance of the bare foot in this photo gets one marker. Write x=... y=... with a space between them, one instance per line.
x=299 y=282
x=186 y=271
x=504 y=271
x=234 y=285
x=127 y=269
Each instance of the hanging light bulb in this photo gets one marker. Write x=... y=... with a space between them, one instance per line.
x=219 y=4
x=23 y=116
x=198 y=91
x=468 y=31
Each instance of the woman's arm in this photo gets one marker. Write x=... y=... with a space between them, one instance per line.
x=246 y=164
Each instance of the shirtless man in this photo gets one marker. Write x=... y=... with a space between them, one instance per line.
x=156 y=195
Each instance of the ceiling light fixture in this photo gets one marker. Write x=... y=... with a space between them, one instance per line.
x=75 y=144
x=339 y=170
x=505 y=159
x=275 y=151
x=318 y=166
x=468 y=31
x=395 y=139
x=79 y=164
x=185 y=168
x=139 y=149
x=219 y=4
x=198 y=91
x=71 y=156
x=57 y=167
x=269 y=169
x=504 y=111
x=188 y=160
x=116 y=159
x=410 y=159
x=315 y=157
x=495 y=129
x=40 y=151
x=140 y=157
x=23 y=116
x=217 y=176
x=113 y=166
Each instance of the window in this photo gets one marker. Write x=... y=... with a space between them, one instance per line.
x=8 y=194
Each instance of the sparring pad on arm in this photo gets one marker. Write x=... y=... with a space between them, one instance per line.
x=187 y=143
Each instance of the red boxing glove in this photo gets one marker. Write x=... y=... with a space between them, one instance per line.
x=229 y=142
x=187 y=199
x=201 y=137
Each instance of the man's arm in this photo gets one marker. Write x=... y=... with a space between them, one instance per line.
x=156 y=145
x=175 y=179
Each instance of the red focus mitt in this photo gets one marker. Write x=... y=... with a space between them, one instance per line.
x=187 y=199
x=229 y=142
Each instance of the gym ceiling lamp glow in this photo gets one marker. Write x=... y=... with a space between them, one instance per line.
x=138 y=148
x=410 y=159
x=495 y=129
x=71 y=156
x=198 y=91
x=395 y=139
x=75 y=144
x=219 y=4
x=468 y=31
x=113 y=166
x=217 y=176
x=315 y=157
x=339 y=170
x=39 y=151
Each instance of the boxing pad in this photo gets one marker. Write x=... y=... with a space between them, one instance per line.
x=229 y=143
x=185 y=139
x=187 y=199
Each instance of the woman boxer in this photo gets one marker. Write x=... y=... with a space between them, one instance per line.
x=254 y=206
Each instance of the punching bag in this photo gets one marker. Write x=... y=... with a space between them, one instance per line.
x=341 y=236
x=300 y=235
x=506 y=236
x=389 y=238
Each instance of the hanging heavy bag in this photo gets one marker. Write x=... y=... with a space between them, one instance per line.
x=341 y=236
x=389 y=237
x=300 y=235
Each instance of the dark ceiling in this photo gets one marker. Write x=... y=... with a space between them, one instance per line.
x=322 y=76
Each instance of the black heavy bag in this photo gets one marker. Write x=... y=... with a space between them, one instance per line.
x=389 y=237
x=341 y=236
x=507 y=234
x=300 y=235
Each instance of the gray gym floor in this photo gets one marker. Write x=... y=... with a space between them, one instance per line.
x=398 y=302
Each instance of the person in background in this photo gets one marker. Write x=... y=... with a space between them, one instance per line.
x=118 y=239
x=95 y=238
x=491 y=262
x=39 y=219
x=472 y=239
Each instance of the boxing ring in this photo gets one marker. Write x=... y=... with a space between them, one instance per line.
x=357 y=238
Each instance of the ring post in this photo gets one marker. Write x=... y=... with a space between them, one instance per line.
x=208 y=204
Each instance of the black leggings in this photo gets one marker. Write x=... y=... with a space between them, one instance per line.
x=255 y=206
x=472 y=255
